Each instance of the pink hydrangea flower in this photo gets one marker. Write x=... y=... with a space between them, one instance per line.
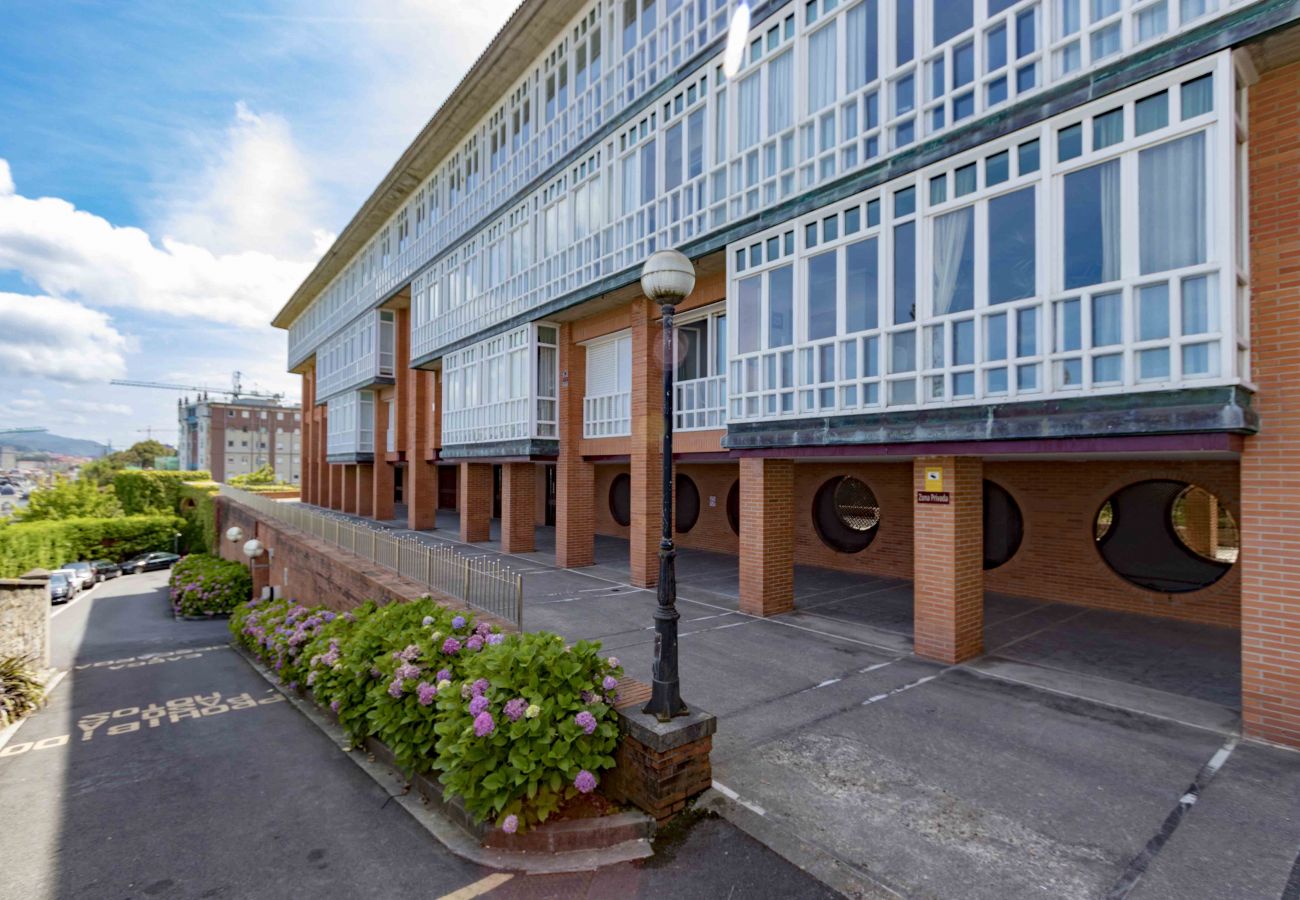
x=451 y=646
x=395 y=688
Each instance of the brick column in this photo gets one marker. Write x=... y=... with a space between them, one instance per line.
x=518 y=507
x=475 y=502
x=646 y=444
x=320 y=442
x=421 y=475
x=308 y=462
x=381 y=482
x=575 y=478
x=335 y=486
x=1270 y=460
x=350 y=489
x=948 y=561
x=766 y=536
x=366 y=488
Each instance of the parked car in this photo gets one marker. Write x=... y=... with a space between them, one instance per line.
x=83 y=576
x=61 y=590
x=70 y=577
x=148 y=562
x=105 y=569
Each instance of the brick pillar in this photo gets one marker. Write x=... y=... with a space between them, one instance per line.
x=320 y=440
x=1200 y=525
x=575 y=478
x=421 y=483
x=1270 y=460
x=766 y=536
x=646 y=444
x=381 y=482
x=308 y=461
x=335 y=486
x=350 y=489
x=475 y=502
x=366 y=488
x=948 y=561
x=518 y=507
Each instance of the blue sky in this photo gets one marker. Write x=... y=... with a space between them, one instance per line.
x=170 y=171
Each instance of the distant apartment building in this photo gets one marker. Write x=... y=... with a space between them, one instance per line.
x=235 y=437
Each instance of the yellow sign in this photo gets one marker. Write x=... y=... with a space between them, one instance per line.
x=934 y=479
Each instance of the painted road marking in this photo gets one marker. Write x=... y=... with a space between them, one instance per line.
x=898 y=690
x=150 y=659
x=9 y=731
x=480 y=887
x=130 y=718
x=77 y=599
x=729 y=793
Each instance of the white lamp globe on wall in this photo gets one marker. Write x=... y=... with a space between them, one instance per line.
x=667 y=276
x=234 y=534
x=253 y=549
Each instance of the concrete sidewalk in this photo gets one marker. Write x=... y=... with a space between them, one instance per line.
x=1051 y=767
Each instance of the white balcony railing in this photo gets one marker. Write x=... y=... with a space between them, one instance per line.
x=700 y=403
x=358 y=356
x=502 y=389
x=607 y=415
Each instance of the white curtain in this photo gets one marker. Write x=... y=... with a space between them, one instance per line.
x=747 y=111
x=780 y=93
x=1110 y=220
x=950 y=244
x=1172 y=204
x=821 y=68
x=860 y=39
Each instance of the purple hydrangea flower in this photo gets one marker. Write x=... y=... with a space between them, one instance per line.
x=395 y=688
x=375 y=673
x=510 y=825
x=609 y=683
x=406 y=670
x=426 y=692
x=444 y=675
x=586 y=721
x=588 y=697
x=482 y=629
x=481 y=686
x=410 y=653
x=451 y=646
x=585 y=782
x=334 y=705
x=427 y=621
x=474 y=643
x=478 y=705
x=515 y=708
x=483 y=726
x=495 y=638
x=613 y=662
x=458 y=623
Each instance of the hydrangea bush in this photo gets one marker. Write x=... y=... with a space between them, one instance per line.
x=529 y=727
x=203 y=585
x=512 y=724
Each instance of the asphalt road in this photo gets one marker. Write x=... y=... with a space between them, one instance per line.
x=164 y=766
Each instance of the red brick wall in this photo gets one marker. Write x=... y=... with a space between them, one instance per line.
x=1058 y=558
x=767 y=551
x=948 y=586
x=1270 y=468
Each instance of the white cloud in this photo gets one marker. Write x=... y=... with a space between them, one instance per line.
x=47 y=337
x=255 y=192
x=93 y=407
x=72 y=253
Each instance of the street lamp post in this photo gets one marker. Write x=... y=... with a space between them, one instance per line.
x=666 y=278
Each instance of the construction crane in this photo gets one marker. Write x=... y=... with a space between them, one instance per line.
x=235 y=391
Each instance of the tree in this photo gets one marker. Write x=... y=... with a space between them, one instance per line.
x=64 y=499
x=264 y=475
x=139 y=455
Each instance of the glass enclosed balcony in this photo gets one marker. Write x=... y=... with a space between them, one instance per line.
x=360 y=355
x=502 y=389
x=351 y=432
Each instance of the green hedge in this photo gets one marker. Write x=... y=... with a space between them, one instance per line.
x=197 y=509
x=203 y=585
x=514 y=725
x=152 y=490
x=49 y=544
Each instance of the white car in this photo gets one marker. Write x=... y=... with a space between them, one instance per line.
x=82 y=575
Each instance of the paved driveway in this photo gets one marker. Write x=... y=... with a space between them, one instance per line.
x=165 y=767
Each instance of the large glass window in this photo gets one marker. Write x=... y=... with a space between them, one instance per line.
x=951 y=18
x=861 y=286
x=822 y=292
x=1092 y=225
x=954 y=262
x=1012 y=252
x=780 y=93
x=749 y=307
x=780 y=307
x=861 y=44
x=905 y=273
x=821 y=68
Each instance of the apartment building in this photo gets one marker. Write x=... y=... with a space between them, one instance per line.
x=992 y=299
x=235 y=437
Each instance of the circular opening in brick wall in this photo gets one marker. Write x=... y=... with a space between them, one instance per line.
x=733 y=507
x=846 y=514
x=1004 y=526
x=1167 y=536
x=620 y=499
x=686 y=504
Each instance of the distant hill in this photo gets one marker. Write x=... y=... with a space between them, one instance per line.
x=54 y=443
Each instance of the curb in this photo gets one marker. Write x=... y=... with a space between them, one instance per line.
x=434 y=817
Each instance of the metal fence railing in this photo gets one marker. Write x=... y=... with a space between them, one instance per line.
x=481 y=582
